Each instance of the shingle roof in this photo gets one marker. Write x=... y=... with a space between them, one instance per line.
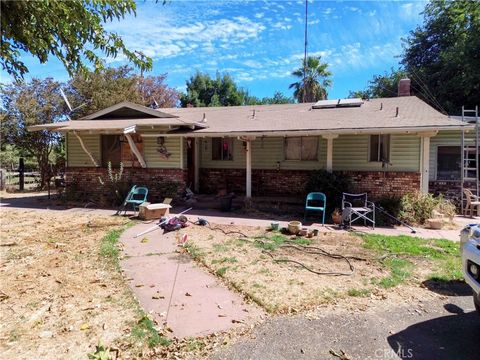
x=373 y=114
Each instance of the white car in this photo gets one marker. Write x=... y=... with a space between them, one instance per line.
x=470 y=245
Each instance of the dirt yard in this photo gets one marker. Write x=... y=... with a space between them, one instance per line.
x=280 y=272
x=57 y=298
x=62 y=291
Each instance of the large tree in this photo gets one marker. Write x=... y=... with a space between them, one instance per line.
x=314 y=80
x=203 y=90
x=98 y=90
x=32 y=103
x=72 y=31
x=442 y=56
x=385 y=85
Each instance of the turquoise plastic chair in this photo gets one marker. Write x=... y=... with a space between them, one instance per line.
x=319 y=198
x=136 y=197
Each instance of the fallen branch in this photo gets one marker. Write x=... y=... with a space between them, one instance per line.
x=13 y=243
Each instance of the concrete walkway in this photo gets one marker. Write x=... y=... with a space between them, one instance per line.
x=176 y=291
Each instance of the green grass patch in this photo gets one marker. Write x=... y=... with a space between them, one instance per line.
x=408 y=245
x=400 y=271
x=144 y=330
x=359 y=292
x=195 y=252
x=269 y=242
x=230 y=260
x=448 y=270
x=222 y=271
x=302 y=241
x=109 y=244
x=220 y=247
x=444 y=254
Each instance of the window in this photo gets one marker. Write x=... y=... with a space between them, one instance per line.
x=379 y=148
x=301 y=148
x=111 y=150
x=222 y=149
x=448 y=162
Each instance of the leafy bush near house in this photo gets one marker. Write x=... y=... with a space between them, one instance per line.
x=416 y=207
x=167 y=188
x=331 y=184
x=390 y=204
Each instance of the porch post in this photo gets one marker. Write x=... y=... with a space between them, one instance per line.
x=249 y=168
x=181 y=153
x=329 y=138
x=425 y=160
x=248 y=163
x=196 y=161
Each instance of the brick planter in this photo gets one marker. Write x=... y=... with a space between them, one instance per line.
x=86 y=180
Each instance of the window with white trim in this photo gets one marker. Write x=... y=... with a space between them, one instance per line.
x=379 y=148
x=222 y=148
x=303 y=148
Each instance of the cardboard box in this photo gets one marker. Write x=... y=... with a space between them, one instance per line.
x=149 y=211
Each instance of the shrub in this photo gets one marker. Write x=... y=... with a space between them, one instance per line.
x=418 y=207
x=168 y=188
x=332 y=185
x=390 y=204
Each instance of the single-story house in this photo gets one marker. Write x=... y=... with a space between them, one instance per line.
x=389 y=146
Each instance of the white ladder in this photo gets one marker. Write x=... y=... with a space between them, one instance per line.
x=470 y=157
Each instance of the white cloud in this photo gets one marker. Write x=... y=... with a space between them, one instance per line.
x=161 y=38
x=282 y=26
x=259 y=15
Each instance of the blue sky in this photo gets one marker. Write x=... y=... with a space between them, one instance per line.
x=260 y=42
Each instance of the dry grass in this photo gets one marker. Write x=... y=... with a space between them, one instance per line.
x=58 y=297
x=283 y=287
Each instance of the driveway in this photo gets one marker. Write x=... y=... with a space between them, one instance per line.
x=446 y=328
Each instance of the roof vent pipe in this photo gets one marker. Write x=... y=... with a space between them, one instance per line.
x=381 y=106
x=396 y=114
x=204 y=119
x=253 y=115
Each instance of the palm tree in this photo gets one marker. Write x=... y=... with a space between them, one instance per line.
x=313 y=80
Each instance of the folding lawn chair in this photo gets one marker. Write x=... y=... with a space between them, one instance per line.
x=136 y=197
x=357 y=207
x=316 y=202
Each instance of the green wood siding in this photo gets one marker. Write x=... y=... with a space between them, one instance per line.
x=153 y=158
x=77 y=157
x=266 y=154
x=350 y=152
x=445 y=138
x=75 y=154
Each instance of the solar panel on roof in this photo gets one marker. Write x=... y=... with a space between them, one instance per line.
x=328 y=104
x=322 y=104
x=350 y=102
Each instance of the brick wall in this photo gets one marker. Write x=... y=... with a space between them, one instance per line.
x=292 y=182
x=379 y=183
x=86 y=179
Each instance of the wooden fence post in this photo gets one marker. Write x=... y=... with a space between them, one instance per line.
x=21 y=173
